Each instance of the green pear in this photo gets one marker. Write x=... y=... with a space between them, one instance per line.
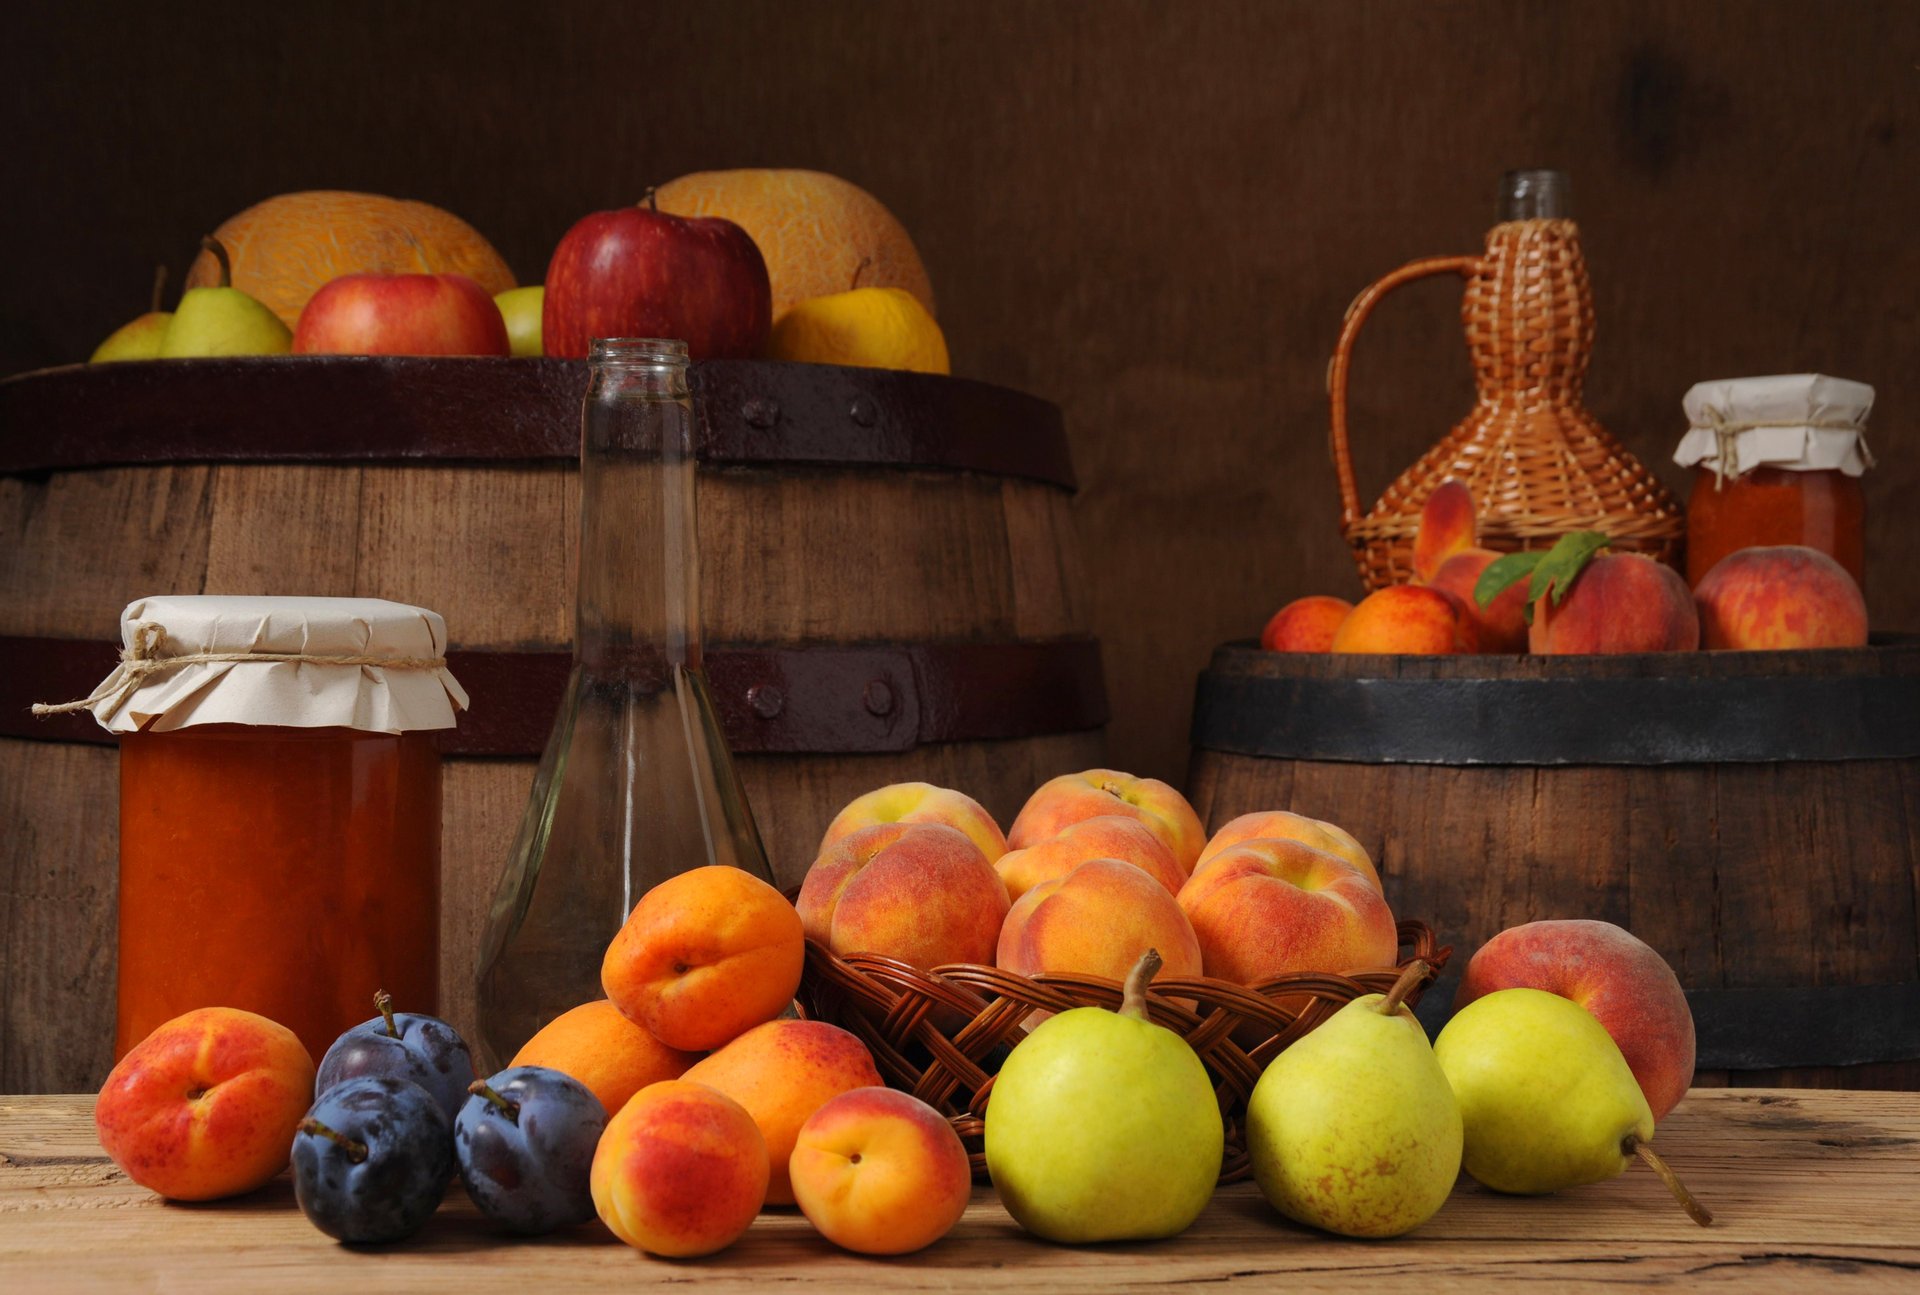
x=139 y=339
x=1353 y=1128
x=522 y=309
x=1547 y=1099
x=223 y=320
x=1103 y=1126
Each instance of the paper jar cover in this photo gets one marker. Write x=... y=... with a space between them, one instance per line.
x=1804 y=422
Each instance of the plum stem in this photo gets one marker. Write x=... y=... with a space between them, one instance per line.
x=1695 y=1210
x=481 y=1088
x=356 y=1151
x=1133 y=995
x=383 y=1001
x=219 y=250
x=1410 y=975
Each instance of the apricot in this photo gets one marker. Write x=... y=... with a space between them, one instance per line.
x=1783 y=596
x=206 y=1106
x=1110 y=836
x=1620 y=602
x=1096 y=921
x=1268 y=908
x=705 y=956
x=919 y=802
x=600 y=1047
x=1061 y=802
x=1408 y=620
x=918 y=892
x=1305 y=624
x=782 y=1072
x=680 y=1171
x=1284 y=825
x=880 y=1172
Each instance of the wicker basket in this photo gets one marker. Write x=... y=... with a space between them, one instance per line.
x=1536 y=460
x=941 y=1035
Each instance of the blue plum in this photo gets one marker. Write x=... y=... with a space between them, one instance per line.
x=371 y=1160
x=524 y=1142
x=424 y=1050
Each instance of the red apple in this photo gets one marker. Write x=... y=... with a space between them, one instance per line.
x=401 y=314
x=637 y=272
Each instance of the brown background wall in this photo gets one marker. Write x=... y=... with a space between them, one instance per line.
x=1152 y=213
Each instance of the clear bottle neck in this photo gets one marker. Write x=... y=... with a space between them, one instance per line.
x=1536 y=195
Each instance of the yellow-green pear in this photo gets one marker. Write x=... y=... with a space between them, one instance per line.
x=140 y=338
x=1547 y=1099
x=1103 y=1126
x=223 y=320
x=522 y=309
x=1353 y=1128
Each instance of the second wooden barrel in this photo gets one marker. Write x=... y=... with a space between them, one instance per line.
x=1754 y=816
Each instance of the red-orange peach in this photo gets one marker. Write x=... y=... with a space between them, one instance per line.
x=1305 y=624
x=1627 y=986
x=705 y=956
x=600 y=1047
x=1784 y=596
x=1500 y=626
x=1448 y=526
x=1406 y=619
x=1061 y=802
x=1097 y=921
x=1270 y=908
x=919 y=892
x=1110 y=836
x=1284 y=825
x=206 y=1105
x=680 y=1171
x=782 y=1072
x=880 y=1172
x=1620 y=602
x=919 y=802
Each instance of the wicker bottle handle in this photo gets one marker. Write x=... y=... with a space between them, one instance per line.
x=1466 y=267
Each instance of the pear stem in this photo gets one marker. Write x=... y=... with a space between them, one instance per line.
x=482 y=1088
x=858 y=270
x=159 y=286
x=383 y=1001
x=653 y=203
x=1412 y=974
x=1695 y=1210
x=1133 y=996
x=219 y=250
x=356 y=1151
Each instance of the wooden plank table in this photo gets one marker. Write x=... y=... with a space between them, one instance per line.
x=1807 y=1187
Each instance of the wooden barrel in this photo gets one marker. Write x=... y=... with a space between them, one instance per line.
x=1754 y=816
x=890 y=586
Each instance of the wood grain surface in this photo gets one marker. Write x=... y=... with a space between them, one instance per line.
x=1807 y=1188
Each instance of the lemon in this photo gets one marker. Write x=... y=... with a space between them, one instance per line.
x=878 y=328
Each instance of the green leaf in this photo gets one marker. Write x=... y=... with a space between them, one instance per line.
x=1503 y=572
x=1562 y=566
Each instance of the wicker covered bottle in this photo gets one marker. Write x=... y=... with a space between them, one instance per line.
x=1537 y=461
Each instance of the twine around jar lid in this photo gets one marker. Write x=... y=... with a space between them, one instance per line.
x=1798 y=422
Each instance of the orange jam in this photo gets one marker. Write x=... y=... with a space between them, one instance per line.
x=288 y=871
x=1824 y=510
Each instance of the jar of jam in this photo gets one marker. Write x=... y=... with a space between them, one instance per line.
x=279 y=808
x=1776 y=460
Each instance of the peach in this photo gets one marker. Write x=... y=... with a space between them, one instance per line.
x=206 y=1105
x=1110 y=836
x=705 y=956
x=680 y=1171
x=1061 y=802
x=600 y=1047
x=1097 y=921
x=880 y=1172
x=1268 y=908
x=1620 y=602
x=919 y=802
x=1500 y=626
x=1627 y=986
x=1284 y=825
x=919 y=892
x=782 y=1072
x=1786 y=596
x=1448 y=526
x=1406 y=619
x=1305 y=624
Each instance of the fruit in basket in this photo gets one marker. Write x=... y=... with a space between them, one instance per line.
x=782 y=1072
x=1109 y=836
x=521 y=309
x=919 y=802
x=222 y=320
x=1546 y=1099
x=876 y=328
x=524 y=1143
x=1096 y=921
x=816 y=230
x=880 y=1172
x=401 y=314
x=1354 y=1128
x=424 y=1050
x=206 y=1105
x=1584 y=599
x=640 y=272
x=1061 y=802
x=1306 y=624
x=681 y=1170
x=1446 y=557
x=285 y=248
x=1410 y=620
x=597 y=1045
x=1268 y=908
x=705 y=957
x=919 y=892
x=371 y=1160
x=1280 y=824
x=1782 y=596
x=1627 y=987
x=1102 y=1126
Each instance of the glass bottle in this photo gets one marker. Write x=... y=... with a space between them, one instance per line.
x=636 y=784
